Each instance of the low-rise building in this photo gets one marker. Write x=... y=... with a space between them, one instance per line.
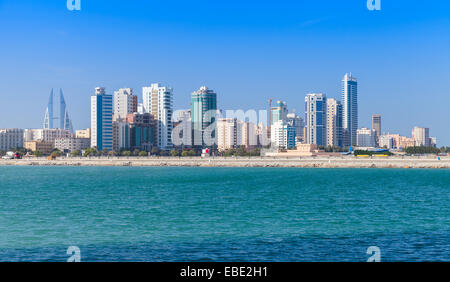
x=72 y=144
x=46 y=135
x=40 y=146
x=366 y=137
x=84 y=133
x=11 y=138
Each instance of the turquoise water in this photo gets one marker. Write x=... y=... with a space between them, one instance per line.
x=223 y=214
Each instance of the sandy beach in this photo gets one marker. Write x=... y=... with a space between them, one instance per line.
x=319 y=162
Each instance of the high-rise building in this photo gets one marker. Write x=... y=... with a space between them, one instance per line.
x=64 y=119
x=349 y=109
x=204 y=110
x=11 y=138
x=279 y=112
x=282 y=135
x=334 y=123
x=48 y=118
x=182 y=129
x=142 y=128
x=316 y=119
x=121 y=135
x=376 y=125
x=229 y=134
x=366 y=137
x=297 y=123
x=158 y=101
x=421 y=136
x=124 y=103
x=101 y=120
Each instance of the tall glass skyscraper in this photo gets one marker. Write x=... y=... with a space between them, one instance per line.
x=64 y=120
x=316 y=119
x=203 y=111
x=101 y=120
x=349 y=109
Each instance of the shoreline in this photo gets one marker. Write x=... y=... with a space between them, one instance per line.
x=309 y=162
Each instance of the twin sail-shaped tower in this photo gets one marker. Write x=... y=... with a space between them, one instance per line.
x=64 y=120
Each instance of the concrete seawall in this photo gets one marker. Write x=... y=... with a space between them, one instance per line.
x=343 y=162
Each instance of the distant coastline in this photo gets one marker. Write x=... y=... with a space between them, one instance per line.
x=306 y=162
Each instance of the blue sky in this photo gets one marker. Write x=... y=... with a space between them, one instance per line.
x=248 y=51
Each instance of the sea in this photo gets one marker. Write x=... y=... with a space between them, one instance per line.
x=183 y=214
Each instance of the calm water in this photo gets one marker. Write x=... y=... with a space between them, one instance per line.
x=223 y=214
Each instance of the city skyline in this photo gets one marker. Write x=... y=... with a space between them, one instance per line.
x=395 y=53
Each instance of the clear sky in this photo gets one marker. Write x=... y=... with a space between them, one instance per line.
x=248 y=51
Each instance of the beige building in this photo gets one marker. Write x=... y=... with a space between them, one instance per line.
x=40 y=146
x=229 y=134
x=334 y=123
x=85 y=133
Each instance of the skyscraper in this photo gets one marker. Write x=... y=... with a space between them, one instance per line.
x=421 y=136
x=297 y=122
x=350 y=109
x=203 y=110
x=334 y=123
x=124 y=103
x=279 y=112
x=376 y=125
x=158 y=101
x=64 y=119
x=48 y=118
x=101 y=120
x=316 y=118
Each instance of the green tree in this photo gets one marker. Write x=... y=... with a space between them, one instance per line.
x=75 y=153
x=174 y=153
x=37 y=154
x=90 y=152
x=143 y=154
x=126 y=153
x=155 y=151
x=422 y=150
x=56 y=153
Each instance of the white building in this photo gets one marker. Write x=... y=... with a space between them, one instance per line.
x=72 y=144
x=182 y=131
x=366 y=137
x=421 y=136
x=11 y=138
x=124 y=103
x=282 y=135
x=158 y=100
x=101 y=120
x=386 y=141
x=46 y=135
